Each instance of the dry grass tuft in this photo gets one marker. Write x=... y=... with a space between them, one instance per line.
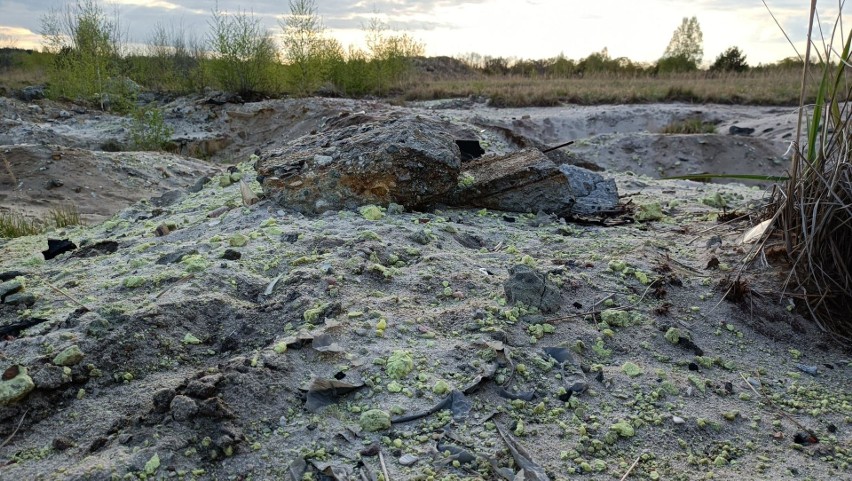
x=814 y=209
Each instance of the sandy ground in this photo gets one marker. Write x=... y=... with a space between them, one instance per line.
x=197 y=349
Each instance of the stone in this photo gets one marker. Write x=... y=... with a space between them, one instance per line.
x=183 y=407
x=31 y=92
x=162 y=399
x=69 y=356
x=678 y=420
x=735 y=130
x=9 y=287
x=16 y=384
x=532 y=288
x=20 y=299
x=375 y=420
x=408 y=460
x=528 y=181
x=405 y=159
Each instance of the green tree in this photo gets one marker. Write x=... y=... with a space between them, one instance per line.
x=90 y=46
x=687 y=42
x=731 y=60
x=245 y=54
x=311 y=55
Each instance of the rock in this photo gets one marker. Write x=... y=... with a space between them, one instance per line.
x=200 y=390
x=9 y=287
x=175 y=257
x=162 y=399
x=734 y=130
x=20 y=299
x=48 y=377
x=678 y=420
x=528 y=181
x=404 y=159
x=375 y=420
x=231 y=255
x=198 y=186
x=531 y=287
x=408 y=460
x=69 y=357
x=183 y=407
x=10 y=275
x=16 y=384
x=31 y=92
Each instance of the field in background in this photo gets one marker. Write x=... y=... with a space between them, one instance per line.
x=431 y=79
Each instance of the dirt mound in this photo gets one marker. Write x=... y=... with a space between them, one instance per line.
x=41 y=178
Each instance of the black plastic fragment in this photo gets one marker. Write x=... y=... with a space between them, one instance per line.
x=56 y=247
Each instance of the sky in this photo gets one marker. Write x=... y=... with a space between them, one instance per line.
x=531 y=29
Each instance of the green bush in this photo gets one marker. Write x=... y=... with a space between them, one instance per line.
x=731 y=60
x=148 y=129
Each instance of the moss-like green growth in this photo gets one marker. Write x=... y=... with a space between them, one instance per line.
x=225 y=181
x=16 y=388
x=280 y=348
x=632 y=369
x=624 y=429
x=699 y=383
x=394 y=387
x=372 y=212
x=189 y=338
x=620 y=318
x=441 y=387
x=69 y=357
x=314 y=313
x=238 y=240
x=375 y=420
x=133 y=281
x=649 y=212
x=716 y=200
x=399 y=364
x=674 y=335
x=617 y=265
x=152 y=465
x=195 y=263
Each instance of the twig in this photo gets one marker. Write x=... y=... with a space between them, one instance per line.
x=68 y=296
x=779 y=411
x=566 y=144
x=630 y=469
x=16 y=429
x=9 y=169
x=384 y=468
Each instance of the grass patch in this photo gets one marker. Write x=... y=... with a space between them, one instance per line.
x=14 y=225
x=689 y=126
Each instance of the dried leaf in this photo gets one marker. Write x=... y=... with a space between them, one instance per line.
x=532 y=471
x=326 y=343
x=249 y=197
x=325 y=392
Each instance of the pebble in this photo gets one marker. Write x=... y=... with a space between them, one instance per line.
x=408 y=460
x=678 y=420
x=812 y=370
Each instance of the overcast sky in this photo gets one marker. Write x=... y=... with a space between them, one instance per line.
x=637 y=29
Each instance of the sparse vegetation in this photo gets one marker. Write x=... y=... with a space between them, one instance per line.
x=14 y=225
x=689 y=126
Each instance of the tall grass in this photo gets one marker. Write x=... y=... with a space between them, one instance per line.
x=13 y=224
x=814 y=208
x=757 y=87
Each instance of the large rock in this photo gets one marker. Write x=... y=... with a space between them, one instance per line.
x=405 y=159
x=528 y=181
